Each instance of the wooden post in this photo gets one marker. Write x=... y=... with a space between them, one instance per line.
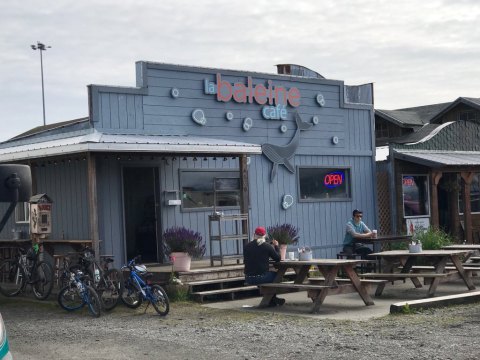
x=435 y=179
x=467 y=208
x=244 y=194
x=92 y=203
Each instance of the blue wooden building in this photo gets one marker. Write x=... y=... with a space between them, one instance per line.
x=188 y=141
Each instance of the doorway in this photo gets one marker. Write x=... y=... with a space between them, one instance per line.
x=140 y=193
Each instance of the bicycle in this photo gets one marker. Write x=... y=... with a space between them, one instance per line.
x=108 y=283
x=78 y=293
x=138 y=288
x=25 y=269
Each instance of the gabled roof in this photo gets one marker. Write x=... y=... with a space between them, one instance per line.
x=414 y=116
x=50 y=128
x=473 y=102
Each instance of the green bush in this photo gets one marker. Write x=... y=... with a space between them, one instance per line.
x=433 y=239
x=177 y=292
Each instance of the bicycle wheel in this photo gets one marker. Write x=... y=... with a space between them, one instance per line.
x=131 y=296
x=70 y=299
x=110 y=288
x=12 y=277
x=160 y=300
x=93 y=302
x=43 y=280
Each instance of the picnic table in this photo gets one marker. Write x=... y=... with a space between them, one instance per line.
x=318 y=290
x=436 y=258
x=474 y=249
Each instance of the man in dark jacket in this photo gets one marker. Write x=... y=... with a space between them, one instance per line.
x=257 y=255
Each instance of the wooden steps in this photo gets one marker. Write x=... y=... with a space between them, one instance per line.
x=230 y=292
x=223 y=288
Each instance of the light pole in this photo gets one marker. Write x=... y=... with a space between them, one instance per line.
x=41 y=47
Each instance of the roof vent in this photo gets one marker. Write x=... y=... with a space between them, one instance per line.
x=297 y=70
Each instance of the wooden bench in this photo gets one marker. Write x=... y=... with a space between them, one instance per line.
x=275 y=288
x=401 y=276
x=447 y=268
x=342 y=280
x=314 y=286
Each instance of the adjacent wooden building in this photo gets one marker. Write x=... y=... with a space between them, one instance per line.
x=432 y=173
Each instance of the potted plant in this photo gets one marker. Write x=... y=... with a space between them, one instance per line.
x=182 y=245
x=285 y=234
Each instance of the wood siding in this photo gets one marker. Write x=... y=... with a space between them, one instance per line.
x=65 y=181
x=151 y=110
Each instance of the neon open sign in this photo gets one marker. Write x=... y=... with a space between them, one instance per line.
x=334 y=179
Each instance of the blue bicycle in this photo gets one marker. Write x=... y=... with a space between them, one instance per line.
x=138 y=288
x=78 y=293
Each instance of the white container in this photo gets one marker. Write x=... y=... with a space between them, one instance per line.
x=415 y=248
x=374 y=233
x=306 y=255
x=291 y=255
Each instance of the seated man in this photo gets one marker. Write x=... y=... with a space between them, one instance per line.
x=257 y=255
x=356 y=229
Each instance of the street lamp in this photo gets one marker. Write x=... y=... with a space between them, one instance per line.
x=41 y=47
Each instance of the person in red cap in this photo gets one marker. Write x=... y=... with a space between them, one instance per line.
x=257 y=255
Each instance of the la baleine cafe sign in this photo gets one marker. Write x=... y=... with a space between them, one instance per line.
x=274 y=98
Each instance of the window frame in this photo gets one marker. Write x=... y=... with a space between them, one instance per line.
x=218 y=172
x=460 y=196
x=333 y=168
x=429 y=205
x=25 y=206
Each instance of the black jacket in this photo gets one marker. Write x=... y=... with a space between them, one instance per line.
x=256 y=257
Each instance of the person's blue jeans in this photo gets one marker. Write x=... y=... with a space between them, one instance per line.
x=268 y=277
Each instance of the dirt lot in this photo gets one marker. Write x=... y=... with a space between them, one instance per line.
x=42 y=330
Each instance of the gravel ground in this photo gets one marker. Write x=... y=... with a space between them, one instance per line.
x=42 y=330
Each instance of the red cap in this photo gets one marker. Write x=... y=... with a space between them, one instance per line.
x=260 y=231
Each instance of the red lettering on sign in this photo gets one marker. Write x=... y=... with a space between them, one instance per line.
x=333 y=179
x=242 y=93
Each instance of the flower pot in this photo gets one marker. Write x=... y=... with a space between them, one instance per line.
x=283 y=251
x=181 y=261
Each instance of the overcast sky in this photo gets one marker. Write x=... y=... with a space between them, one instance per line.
x=415 y=52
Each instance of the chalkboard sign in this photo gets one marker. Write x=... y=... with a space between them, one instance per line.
x=226 y=184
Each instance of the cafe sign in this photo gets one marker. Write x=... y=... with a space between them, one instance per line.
x=274 y=99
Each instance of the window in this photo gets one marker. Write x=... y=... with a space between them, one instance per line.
x=381 y=129
x=474 y=195
x=204 y=189
x=316 y=184
x=466 y=115
x=416 y=200
x=22 y=212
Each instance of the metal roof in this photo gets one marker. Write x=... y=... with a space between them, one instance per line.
x=102 y=142
x=439 y=158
